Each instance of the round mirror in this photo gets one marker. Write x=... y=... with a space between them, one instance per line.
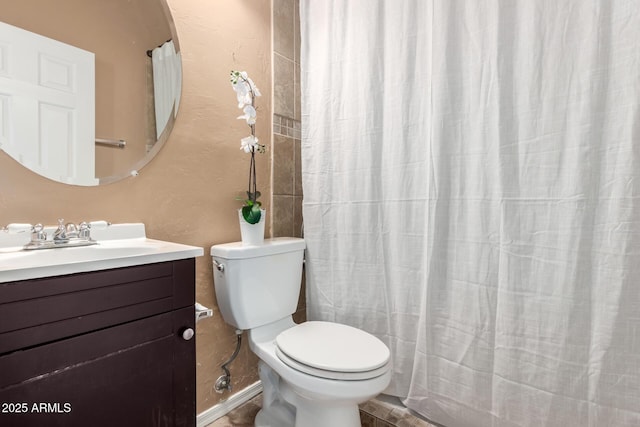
x=138 y=77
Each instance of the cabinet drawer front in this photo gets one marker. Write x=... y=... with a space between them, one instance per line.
x=47 y=286
x=38 y=311
x=54 y=308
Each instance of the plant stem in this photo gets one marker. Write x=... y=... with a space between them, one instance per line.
x=252 y=178
x=253 y=187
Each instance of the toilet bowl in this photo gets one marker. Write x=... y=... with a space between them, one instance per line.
x=318 y=399
x=313 y=374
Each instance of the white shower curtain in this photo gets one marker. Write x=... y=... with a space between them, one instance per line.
x=167 y=83
x=471 y=178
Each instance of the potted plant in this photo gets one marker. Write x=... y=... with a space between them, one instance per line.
x=251 y=215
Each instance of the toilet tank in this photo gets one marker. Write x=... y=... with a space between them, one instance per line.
x=257 y=285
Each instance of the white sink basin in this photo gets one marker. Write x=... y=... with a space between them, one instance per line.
x=19 y=264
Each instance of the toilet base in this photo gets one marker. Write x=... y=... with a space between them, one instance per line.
x=275 y=411
x=269 y=419
x=323 y=414
x=283 y=407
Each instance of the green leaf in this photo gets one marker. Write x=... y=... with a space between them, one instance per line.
x=251 y=214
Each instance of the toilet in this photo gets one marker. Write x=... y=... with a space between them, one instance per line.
x=313 y=374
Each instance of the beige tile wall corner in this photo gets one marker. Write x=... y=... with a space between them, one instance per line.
x=287 y=184
x=187 y=193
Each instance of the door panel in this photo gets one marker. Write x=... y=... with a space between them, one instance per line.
x=47 y=101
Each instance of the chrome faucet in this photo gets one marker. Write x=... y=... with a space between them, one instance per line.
x=65 y=235
x=71 y=232
x=60 y=235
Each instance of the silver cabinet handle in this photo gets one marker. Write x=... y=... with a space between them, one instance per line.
x=187 y=334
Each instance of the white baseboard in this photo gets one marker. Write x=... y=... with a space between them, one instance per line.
x=223 y=408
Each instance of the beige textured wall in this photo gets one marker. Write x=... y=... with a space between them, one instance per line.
x=187 y=193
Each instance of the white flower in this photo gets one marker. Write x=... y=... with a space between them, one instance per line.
x=244 y=88
x=252 y=85
x=242 y=93
x=249 y=115
x=248 y=143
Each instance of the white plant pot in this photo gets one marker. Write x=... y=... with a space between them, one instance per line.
x=252 y=234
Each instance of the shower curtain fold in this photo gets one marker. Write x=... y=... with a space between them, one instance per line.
x=470 y=174
x=167 y=83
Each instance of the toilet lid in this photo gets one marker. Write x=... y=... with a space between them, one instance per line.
x=332 y=347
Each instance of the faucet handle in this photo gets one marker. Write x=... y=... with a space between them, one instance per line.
x=38 y=235
x=84 y=231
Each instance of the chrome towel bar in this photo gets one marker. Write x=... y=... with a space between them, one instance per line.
x=120 y=143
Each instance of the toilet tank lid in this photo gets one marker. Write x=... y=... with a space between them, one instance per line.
x=277 y=245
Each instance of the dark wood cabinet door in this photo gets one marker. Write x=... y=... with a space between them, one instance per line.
x=137 y=374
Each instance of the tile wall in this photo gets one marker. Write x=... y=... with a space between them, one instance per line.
x=286 y=204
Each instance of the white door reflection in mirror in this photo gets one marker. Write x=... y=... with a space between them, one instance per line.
x=47 y=105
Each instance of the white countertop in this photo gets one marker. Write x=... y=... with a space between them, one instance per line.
x=120 y=245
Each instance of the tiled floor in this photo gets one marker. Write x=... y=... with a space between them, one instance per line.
x=242 y=416
x=381 y=412
x=387 y=411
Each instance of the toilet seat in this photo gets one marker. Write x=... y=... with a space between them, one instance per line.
x=333 y=351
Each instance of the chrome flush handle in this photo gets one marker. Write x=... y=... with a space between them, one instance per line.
x=218 y=266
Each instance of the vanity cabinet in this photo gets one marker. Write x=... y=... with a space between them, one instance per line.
x=104 y=348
